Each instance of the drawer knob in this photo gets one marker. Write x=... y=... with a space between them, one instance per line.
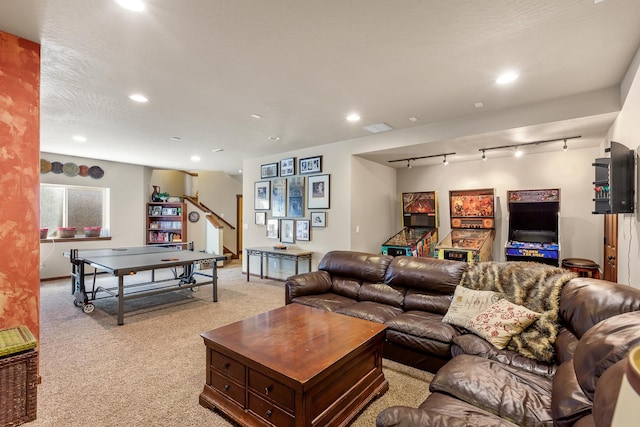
x=226 y=366
x=268 y=413
x=227 y=387
x=268 y=389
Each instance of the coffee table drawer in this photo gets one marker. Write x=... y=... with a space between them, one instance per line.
x=227 y=366
x=269 y=412
x=227 y=387
x=269 y=388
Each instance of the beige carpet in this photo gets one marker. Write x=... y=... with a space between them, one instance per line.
x=150 y=370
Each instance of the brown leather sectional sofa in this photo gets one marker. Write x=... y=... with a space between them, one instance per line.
x=475 y=383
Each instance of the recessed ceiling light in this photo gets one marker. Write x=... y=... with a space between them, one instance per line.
x=478 y=105
x=505 y=78
x=353 y=117
x=413 y=119
x=175 y=138
x=133 y=5
x=79 y=138
x=256 y=116
x=138 y=98
x=274 y=138
x=195 y=158
x=239 y=170
x=217 y=150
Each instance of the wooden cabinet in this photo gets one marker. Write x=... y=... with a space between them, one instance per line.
x=166 y=223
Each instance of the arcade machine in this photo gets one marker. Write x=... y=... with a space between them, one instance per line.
x=472 y=227
x=533 y=226
x=419 y=233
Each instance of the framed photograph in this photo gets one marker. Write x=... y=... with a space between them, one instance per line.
x=261 y=218
x=286 y=235
x=156 y=210
x=288 y=166
x=318 y=192
x=302 y=229
x=310 y=165
x=318 y=219
x=272 y=228
x=170 y=211
x=269 y=170
x=279 y=197
x=295 y=196
x=262 y=194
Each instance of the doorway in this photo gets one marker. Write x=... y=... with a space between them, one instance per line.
x=610 y=259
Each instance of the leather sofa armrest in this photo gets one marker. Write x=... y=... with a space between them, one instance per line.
x=312 y=283
x=476 y=346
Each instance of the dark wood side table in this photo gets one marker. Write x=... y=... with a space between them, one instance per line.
x=294 y=366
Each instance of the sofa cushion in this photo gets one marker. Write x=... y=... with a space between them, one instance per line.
x=502 y=320
x=516 y=395
x=568 y=401
x=606 y=395
x=565 y=345
x=358 y=265
x=383 y=293
x=346 y=286
x=434 y=275
x=423 y=324
x=604 y=345
x=427 y=301
x=430 y=346
x=330 y=301
x=439 y=410
x=476 y=346
x=585 y=302
x=370 y=310
x=467 y=303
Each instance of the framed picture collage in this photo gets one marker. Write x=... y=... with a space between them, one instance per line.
x=291 y=198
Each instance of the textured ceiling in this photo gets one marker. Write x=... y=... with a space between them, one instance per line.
x=207 y=65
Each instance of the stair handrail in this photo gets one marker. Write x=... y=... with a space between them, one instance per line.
x=205 y=208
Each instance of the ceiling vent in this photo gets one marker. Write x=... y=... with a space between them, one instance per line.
x=378 y=127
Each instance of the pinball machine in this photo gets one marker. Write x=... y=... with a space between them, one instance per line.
x=420 y=226
x=472 y=227
x=533 y=226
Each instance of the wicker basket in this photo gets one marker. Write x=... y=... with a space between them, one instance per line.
x=66 y=232
x=18 y=394
x=18 y=376
x=92 y=231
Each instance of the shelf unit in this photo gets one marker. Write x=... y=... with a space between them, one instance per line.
x=166 y=223
x=614 y=181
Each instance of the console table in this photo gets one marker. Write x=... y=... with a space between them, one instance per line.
x=295 y=255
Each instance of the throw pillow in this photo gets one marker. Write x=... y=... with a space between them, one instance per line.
x=467 y=303
x=501 y=321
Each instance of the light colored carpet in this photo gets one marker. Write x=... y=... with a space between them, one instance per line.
x=150 y=371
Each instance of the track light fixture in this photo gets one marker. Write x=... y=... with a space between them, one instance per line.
x=484 y=156
x=518 y=151
x=413 y=159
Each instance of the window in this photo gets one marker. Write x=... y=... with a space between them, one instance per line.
x=73 y=206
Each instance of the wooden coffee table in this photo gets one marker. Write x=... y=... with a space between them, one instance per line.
x=294 y=366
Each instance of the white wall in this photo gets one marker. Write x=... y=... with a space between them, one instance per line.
x=581 y=232
x=359 y=191
x=626 y=130
x=127 y=209
x=219 y=192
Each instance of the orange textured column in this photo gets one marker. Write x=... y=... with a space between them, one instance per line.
x=19 y=183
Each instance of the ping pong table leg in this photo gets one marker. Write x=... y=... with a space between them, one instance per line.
x=120 y=300
x=214 y=278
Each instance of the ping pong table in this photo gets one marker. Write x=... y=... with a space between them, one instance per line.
x=127 y=261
